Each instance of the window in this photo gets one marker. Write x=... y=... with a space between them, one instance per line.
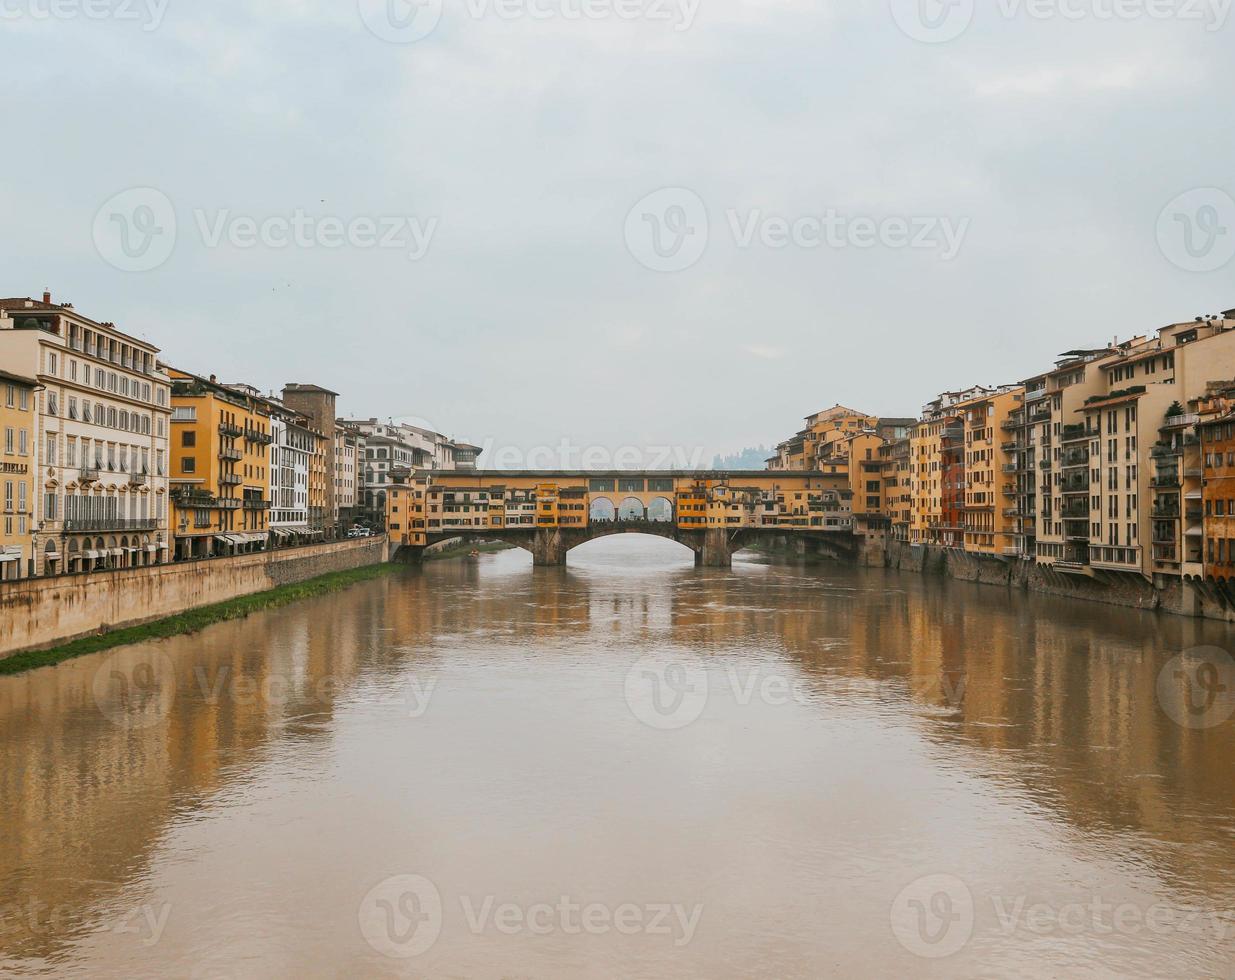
x=188 y=465
x=188 y=438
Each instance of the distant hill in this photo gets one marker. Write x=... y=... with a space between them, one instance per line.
x=750 y=458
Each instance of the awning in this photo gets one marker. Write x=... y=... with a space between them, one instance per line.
x=116 y=552
x=52 y=554
x=5 y=556
x=92 y=555
x=152 y=547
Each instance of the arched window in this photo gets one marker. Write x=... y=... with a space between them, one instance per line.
x=631 y=510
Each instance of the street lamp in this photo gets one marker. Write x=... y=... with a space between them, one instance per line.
x=34 y=538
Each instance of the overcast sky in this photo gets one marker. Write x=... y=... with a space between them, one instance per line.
x=865 y=204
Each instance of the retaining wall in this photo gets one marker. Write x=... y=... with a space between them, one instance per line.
x=43 y=612
x=1170 y=594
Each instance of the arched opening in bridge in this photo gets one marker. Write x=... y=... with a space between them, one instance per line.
x=660 y=510
x=602 y=509
x=631 y=551
x=631 y=510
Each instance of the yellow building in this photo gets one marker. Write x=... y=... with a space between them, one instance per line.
x=17 y=472
x=220 y=468
x=816 y=447
x=990 y=509
x=406 y=503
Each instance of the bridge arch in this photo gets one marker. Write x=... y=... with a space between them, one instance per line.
x=632 y=509
x=602 y=509
x=660 y=510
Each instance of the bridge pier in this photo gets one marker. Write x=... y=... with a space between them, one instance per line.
x=548 y=547
x=716 y=551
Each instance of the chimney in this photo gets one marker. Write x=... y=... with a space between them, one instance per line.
x=47 y=296
x=214 y=380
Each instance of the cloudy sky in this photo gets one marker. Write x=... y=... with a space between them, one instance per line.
x=647 y=223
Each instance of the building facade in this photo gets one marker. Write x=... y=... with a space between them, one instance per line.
x=220 y=467
x=318 y=406
x=100 y=438
x=17 y=473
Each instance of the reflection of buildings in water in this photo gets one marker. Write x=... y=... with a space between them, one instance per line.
x=86 y=797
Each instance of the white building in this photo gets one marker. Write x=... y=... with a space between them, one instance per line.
x=349 y=447
x=397 y=444
x=101 y=441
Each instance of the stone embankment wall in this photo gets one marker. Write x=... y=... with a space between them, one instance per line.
x=43 y=612
x=1168 y=595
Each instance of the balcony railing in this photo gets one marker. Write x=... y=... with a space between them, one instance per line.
x=227 y=429
x=232 y=454
x=256 y=504
x=138 y=479
x=1181 y=421
x=88 y=473
x=1170 y=480
x=81 y=524
x=231 y=479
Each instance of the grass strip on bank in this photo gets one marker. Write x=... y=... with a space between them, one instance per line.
x=195 y=619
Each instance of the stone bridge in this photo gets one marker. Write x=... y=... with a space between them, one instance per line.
x=712 y=547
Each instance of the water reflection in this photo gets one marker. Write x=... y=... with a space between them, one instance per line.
x=224 y=802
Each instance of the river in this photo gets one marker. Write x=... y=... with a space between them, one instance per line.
x=629 y=768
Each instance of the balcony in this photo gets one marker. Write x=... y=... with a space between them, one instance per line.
x=256 y=504
x=1044 y=464
x=1009 y=468
x=231 y=479
x=1161 y=450
x=235 y=455
x=1075 y=433
x=138 y=479
x=227 y=429
x=1184 y=421
x=1074 y=511
x=1169 y=480
x=261 y=438
x=88 y=474
x=1073 y=460
x=90 y=524
x=1165 y=513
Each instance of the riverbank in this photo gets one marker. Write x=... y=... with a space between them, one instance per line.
x=52 y=612
x=195 y=619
